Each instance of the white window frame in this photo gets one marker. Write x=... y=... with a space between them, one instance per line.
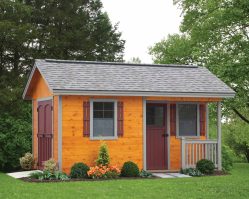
x=197 y=120
x=115 y=120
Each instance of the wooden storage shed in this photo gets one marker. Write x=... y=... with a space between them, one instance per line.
x=154 y=115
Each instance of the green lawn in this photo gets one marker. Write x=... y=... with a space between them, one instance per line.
x=235 y=185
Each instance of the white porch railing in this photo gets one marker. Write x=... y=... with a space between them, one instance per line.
x=195 y=150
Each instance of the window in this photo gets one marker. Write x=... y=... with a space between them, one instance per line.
x=103 y=119
x=187 y=120
x=155 y=116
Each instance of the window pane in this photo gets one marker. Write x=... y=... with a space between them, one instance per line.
x=103 y=119
x=187 y=119
x=98 y=114
x=154 y=115
x=103 y=127
x=98 y=106
x=108 y=114
x=109 y=106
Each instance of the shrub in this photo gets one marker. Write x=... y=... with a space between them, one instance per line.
x=130 y=169
x=98 y=172
x=227 y=161
x=36 y=175
x=191 y=172
x=205 y=166
x=50 y=165
x=79 y=170
x=27 y=161
x=103 y=157
x=145 y=174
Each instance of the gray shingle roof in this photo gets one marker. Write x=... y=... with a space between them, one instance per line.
x=81 y=76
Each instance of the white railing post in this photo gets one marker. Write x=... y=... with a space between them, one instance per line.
x=183 y=153
x=219 y=134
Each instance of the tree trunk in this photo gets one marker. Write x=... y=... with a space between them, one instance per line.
x=247 y=155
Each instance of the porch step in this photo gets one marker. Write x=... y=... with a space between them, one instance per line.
x=171 y=175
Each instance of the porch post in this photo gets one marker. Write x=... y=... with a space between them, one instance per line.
x=219 y=135
x=144 y=134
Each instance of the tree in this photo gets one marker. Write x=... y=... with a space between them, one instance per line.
x=103 y=157
x=32 y=29
x=237 y=137
x=215 y=35
x=135 y=60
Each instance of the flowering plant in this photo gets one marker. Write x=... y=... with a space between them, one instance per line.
x=101 y=171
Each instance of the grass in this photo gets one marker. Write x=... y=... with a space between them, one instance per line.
x=229 y=186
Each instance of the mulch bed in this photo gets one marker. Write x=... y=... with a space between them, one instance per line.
x=27 y=179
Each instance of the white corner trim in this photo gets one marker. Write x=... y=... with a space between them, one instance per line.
x=60 y=132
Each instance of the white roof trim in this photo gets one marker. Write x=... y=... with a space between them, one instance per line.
x=29 y=80
x=145 y=94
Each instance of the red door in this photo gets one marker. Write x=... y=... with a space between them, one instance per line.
x=45 y=133
x=156 y=137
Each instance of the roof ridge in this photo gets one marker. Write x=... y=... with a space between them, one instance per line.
x=119 y=63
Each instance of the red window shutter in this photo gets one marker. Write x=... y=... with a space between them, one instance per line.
x=202 y=119
x=173 y=119
x=86 y=119
x=120 y=114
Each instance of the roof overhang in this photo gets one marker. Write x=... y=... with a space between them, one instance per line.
x=142 y=93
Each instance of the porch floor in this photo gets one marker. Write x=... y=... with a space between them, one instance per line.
x=170 y=175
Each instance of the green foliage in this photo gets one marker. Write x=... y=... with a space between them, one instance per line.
x=79 y=170
x=15 y=140
x=227 y=161
x=191 y=172
x=130 y=169
x=36 y=175
x=205 y=166
x=103 y=157
x=27 y=162
x=237 y=137
x=145 y=174
x=46 y=175
x=50 y=166
x=32 y=29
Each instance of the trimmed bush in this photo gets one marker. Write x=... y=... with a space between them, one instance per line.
x=27 y=161
x=205 y=166
x=79 y=170
x=130 y=169
x=50 y=165
x=103 y=157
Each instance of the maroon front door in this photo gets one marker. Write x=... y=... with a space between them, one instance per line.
x=45 y=132
x=156 y=136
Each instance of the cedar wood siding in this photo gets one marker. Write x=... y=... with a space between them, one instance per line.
x=76 y=148
x=39 y=90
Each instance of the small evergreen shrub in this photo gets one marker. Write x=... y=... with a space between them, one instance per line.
x=205 y=166
x=27 y=161
x=50 y=166
x=79 y=170
x=103 y=157
x=130 y=169
x=145 y=174
x=191 y=172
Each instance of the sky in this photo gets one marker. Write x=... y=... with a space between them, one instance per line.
x=143 y=23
